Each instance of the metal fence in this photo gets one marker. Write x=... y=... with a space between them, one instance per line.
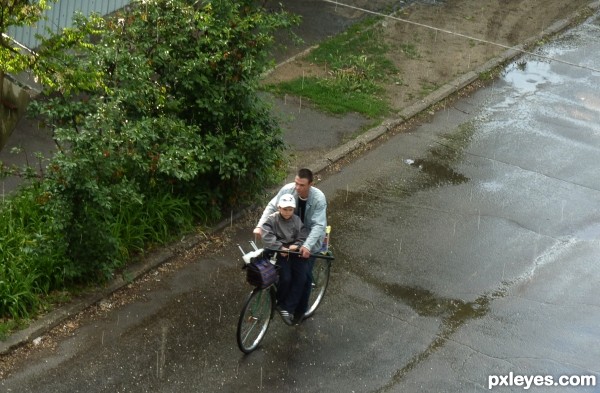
x=60 y=15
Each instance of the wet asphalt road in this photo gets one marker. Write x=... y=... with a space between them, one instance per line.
x=465 y=248
x=473 y=241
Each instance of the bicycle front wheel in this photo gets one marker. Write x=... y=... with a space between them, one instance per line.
x=254 y=319
x=320 y=280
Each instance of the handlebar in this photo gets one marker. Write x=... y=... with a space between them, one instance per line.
x=247 y=256
x=323 y=256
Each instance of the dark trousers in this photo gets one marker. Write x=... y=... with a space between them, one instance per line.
x=295 y=280
x=303 y=305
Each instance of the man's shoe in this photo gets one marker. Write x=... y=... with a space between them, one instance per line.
x=298 y=319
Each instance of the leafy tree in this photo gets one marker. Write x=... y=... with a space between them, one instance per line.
x=156 y=117
x=158 y=99
x=13 y=59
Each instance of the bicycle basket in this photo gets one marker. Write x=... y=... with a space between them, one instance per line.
x=261 y=273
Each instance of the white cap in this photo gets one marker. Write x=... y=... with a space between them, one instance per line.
x=287 y=200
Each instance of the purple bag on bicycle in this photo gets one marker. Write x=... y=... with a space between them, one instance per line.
x=261 y=273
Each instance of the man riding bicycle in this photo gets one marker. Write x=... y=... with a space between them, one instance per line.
x=311 y=207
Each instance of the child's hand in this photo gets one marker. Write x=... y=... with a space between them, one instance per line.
x=283 y=254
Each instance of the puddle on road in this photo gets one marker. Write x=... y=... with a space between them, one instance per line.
x=449 y=150
x=453 y=313
x=354 y=210
x=529 y=76
x=439 y=173
x=436 y=169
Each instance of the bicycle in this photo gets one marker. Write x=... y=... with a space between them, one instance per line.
x=259 y=307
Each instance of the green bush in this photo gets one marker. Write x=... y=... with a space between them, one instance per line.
x=158 y=127
x=32 y=259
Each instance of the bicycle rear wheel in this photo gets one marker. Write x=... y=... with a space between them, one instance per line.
x=320 y=280
x=254 y=319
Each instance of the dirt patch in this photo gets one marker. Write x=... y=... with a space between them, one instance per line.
x=428 y=58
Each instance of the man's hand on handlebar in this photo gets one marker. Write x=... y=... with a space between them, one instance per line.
x=304 y=252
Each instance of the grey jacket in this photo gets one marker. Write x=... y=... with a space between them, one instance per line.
x=315 y=217
x=281 y=232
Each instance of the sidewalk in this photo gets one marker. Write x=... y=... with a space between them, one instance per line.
x=311 y=147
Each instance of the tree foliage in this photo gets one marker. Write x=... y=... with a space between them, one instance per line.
x=13 y=58
x=17 y=13
x=169 y=96
x=158 y=100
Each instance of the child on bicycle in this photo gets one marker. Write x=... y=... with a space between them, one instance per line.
x=283 y=230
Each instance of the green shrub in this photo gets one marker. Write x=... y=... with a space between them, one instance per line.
x=158 y=127
x=32 y=256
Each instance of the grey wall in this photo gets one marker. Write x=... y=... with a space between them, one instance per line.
x=60 y=15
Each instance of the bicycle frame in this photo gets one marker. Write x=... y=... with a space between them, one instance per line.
x=259 y=307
